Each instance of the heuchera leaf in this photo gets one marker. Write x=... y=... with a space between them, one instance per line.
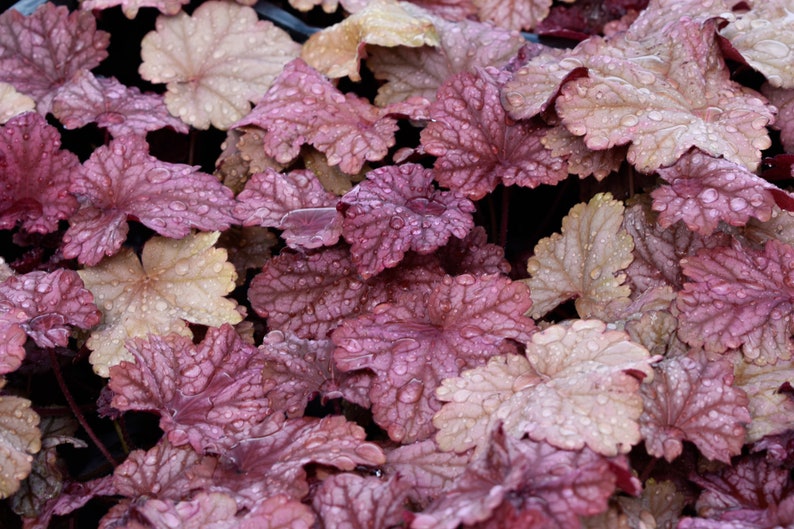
x=478 y=146
x=348 y=501
x=130 y=7
x=36 y=175
x=513 y=14
x=772 y=410
x=582 y=161
x=272 y=464
x=111 y=105
x=738 y=297
x=73 y=496
x=398 y=209
x=692 y=398
x=13 y=103
x=763 y=37
x=304 y=107
x=20 y=437
x=660 y=501
x=473 y=255
x=214 y=62
x=411 y=346
x=754 y=493
x=551 y=487
x=694 y=104
x=122 y=180
x=578 y=385
x=41 y=305
x=427 y=469
x=705 y=190
x=584 y=261
x=783 y=99
x=173 y=282
x=40 y=52
x=295 y=202
x=208 y=395
x=336 y=50
x=299 y=369
x=463 y=46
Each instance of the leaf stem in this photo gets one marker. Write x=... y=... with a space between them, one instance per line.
x=56 y=367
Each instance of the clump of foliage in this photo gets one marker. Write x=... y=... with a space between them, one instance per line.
x=416 y=271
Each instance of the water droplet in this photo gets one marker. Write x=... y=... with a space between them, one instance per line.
x=629 y=120
x=773 y=48
x=655 y=115
x=708 y=195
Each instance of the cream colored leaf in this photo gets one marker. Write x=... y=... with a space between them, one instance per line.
x=13 y=103
x=585 y=261
x=578 y=385
x=772 y=411
x=765 y=38
x=337 y=50
x=20 y=437
x=214 y=62
x=176 y=281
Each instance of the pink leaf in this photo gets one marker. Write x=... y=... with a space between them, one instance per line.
x=693 y=399
x=737 y=296
x=302 y=106
x=130 y=7
x=478 y=146
x=42 y=305
x=295 y=202
x=39 y=53
x=36 y=174
x=411 y=346
x=398 y=209
x=348 y=501
x=473 y=255
x=298 y=369
x=783 y=99
x=265 y=465
x=209 y=395
x=111 y=105
x=513 y=14
x=73 y=496
x=122 y=180
x=705 y=190
x=559 y=485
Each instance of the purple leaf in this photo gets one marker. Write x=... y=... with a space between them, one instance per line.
x=122 y=180
x=478 y=147
x=35 y=176
x=209 y=395
x=348 y=501
x=398 y=209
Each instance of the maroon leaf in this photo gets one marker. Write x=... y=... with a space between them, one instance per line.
x=739 y=296
x=303 y=106
x=348 y=501
x=693 y=399
x=111 y=105
x=398 y=209
x=39 y=53
x=411 y=346
x=122 y=180
x=209 y=395
x=473 y=255
x=478 y=146
x=35 y=176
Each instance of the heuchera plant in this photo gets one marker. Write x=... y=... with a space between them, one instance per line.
x=397 y=264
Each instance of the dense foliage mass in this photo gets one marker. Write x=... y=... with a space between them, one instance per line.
x=397 y=264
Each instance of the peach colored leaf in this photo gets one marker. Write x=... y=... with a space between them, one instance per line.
x=40 y=52
x=577 y=386
x=739 y=297
x=584 y=261
x=111 y=105
x=130 y=7
x=662 y=115
x=692 y=398
x=783 y=99
x=13 y=103
x=705 y=190
x=174 y=282
x=214 y=62
x=513 y=14
x=771 y=410
x=337 y=50
x=581 y=160
x=763 y=36
x=463 y=46
x=19 y=439
x=662 y=502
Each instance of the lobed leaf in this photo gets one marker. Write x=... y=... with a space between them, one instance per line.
x=20 y=437
x=349 y=501
x=771 y=409
x=13 y=103
x=214 y=61
x=130 y=7
x=513 y=14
